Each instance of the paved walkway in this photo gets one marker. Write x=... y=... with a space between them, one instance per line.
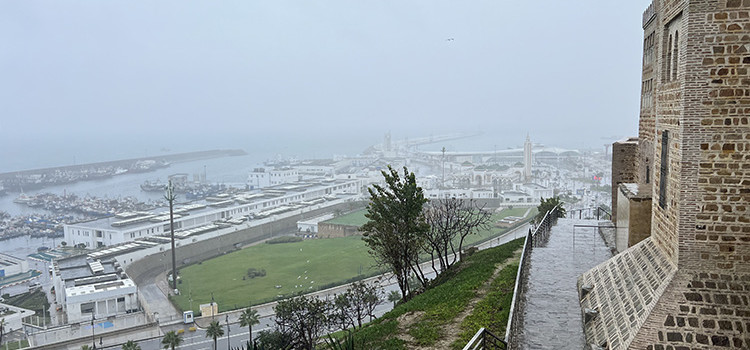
x=552 y=314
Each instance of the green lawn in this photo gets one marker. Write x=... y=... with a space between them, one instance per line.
x=327 y=262
x=356 y=218
x=35 y=301
x=324 y=261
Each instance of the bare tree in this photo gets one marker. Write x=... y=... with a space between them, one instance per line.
x=451 y=220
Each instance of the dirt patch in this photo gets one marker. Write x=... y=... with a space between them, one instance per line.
x=405 y=322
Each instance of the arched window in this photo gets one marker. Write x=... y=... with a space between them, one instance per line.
x=668 y=71
x=664 y=169
x=675 y=55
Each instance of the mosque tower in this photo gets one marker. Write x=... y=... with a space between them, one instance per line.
x=527 y=159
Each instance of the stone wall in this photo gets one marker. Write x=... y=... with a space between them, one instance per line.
x=719 y=234
x=624 y=167
x=700 y=206
x=623 y=291
x=336 y=230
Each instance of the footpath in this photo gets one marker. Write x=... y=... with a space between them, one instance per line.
x=552 y=314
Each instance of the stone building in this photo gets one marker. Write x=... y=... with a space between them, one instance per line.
x=686 y=285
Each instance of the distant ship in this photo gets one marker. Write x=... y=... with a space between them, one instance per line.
x=23 y=199
x=155 y=186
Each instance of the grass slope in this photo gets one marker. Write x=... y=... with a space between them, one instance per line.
x=449 y=297
x=493 y=311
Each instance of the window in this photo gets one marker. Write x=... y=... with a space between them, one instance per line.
x=669 y=60
x=648 y=49
x=664 y=169
x=675 y=55
x=87 y=308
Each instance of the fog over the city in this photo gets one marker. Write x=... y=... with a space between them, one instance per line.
x=85 y=81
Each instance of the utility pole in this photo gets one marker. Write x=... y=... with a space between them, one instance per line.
x=228 y=332
x=93 y=337
x=442 y=184
x=170 y=196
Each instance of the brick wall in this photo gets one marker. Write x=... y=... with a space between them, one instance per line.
x=701 y=220
x=624 y=167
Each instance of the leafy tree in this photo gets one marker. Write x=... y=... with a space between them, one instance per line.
x=2 y=329
x=214 y=331
x=547 y=205
x=249 y=317
x=396 y=228
x=131 y=345
x=85 y=347
x=274 y=339
x=171 y=340
x=303 y=319
x=352 y=307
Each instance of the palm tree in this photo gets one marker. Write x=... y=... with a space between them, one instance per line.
x=171 y=340
x=248 y=318
x=131 y=345
x=215 y=331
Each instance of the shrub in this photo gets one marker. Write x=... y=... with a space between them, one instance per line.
x=284 y=239
x=253 y=272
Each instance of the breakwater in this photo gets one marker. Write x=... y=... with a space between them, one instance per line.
x=18 y=181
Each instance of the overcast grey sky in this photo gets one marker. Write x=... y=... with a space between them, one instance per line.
x=564 y=71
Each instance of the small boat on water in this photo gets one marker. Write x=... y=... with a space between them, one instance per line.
x=23 y=199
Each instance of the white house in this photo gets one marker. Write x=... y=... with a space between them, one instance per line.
x=86 y=287
x=261 y=178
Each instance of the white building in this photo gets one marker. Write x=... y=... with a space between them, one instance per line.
x=13 y=317
x=517 y=197
x=261 y=178
x=86 y=287
x=126 y=227
x=10 y=265
x=535 y=190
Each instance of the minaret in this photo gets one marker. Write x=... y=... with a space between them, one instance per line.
x=527 y=159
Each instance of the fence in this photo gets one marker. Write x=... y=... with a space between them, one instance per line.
x=589 y=213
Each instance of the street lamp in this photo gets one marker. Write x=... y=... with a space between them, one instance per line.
x=170 y=196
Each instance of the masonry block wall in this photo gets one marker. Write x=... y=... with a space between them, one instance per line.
x=700 y=151
x=624 y=167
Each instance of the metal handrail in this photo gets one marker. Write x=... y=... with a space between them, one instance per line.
x=484 y=339
x=544 y=225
